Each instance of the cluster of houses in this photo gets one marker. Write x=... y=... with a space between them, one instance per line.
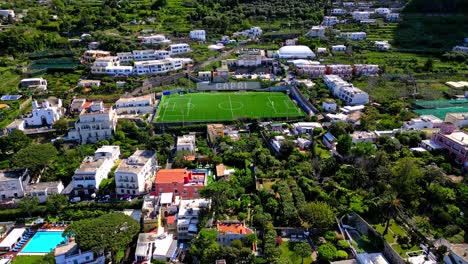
x=345 y=91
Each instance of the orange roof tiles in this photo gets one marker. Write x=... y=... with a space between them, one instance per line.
x=87 y=105
x=174 y=175
x=238 y=228
x=170 y=219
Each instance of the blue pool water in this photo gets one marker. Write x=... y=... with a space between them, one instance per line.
x=43 y=242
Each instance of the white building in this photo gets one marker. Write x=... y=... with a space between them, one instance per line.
x=198 y=35
x=295 y=52
x=314 y=71
x=7 y=13
x=382 y=11
x=135 y=175
x=160 y=66
x=45 y=114
x=253 y=32
x=366 y=69
x=317 y=31
x=187 y=217
x=329 y=141
x=305 y=127
x=460 y=120
x=154 y=39
x=354 y=35
x=94 y=169
x=363 y=136
x=186 y=142
x=424 y=121
x=338 y=48
x=382 y=45
x=94 y=124
x=291 y=42
x=329 y=105
x=231 y=230
x=460 y=49
x=164 y=247
x=77 y=105
x=360 y=15
x=338 y=12
x=342 y=70
x=110 y=65
x=135 y=105
x=179 y=48
x=11 y=183
x=330 y=21
x=142 y=55
x=276 y=142
x=42 y=190
x=89 y=83
x=345 y=91
x=303 y=143
x=34 y=83
x=392 y=17
x=70 y=253
x=90 y=56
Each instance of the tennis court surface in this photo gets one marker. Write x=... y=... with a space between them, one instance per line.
x=225 y=106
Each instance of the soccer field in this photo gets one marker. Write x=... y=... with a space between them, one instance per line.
x=225 y=106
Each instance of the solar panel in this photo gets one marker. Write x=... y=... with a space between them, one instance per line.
x=9 y=97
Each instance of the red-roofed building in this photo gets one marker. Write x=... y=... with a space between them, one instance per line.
x=171 y=223
x=229 y=231
x=180 y=182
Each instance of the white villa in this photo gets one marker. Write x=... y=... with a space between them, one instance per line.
x=110 y=65
x=360 y=15
x=34 y=83
x=305 y=127
x=424 y=121
x=231 y=230
x=89 y=83
x=354 y=35
x=93 y=170
x=11 y=183
x=317 y=31
x=253 y=32
x=330 y=21
x=45 y=114
x=95 y=123
x=187 y=217
x=338 y=48
x=135 y=175
x=135 y=105
x=338 y=12
x=7 y=12
x=186 y=142
x=382 y=11
x=198 y=35
x=382 y=45
x=142 y=55
x=70 y=253
x=154 y=39
x=345 y=91
x=329 y=105
x=160 y=66
x=179 y=48
x=42 y=190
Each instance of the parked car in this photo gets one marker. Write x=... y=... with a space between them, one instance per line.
x=75 y=199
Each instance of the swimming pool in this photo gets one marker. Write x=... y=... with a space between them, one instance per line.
x=43 y=242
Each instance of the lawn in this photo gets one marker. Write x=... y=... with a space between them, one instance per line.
x=33 y=260
x=203 y=107
x=287 y=253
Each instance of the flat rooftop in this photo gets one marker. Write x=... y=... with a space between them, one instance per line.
x=8 y=175
x=90 y=164
x=41 y=186
x=459 y=137
x=147 y=97
x=461 y=250
x=136 y=162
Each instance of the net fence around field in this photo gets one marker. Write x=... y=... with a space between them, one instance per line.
x=440 y=108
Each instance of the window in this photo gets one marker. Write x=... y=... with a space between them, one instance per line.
x=176 y=191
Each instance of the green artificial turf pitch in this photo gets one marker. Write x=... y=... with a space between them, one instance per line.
x=225 y=106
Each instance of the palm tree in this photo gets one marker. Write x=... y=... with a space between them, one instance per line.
x=389 y=204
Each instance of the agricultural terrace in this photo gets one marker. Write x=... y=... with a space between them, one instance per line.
x=226 y=106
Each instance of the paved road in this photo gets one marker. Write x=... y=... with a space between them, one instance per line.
x=171 y=78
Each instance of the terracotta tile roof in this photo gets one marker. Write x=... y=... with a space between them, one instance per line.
x=220 y=170
x=170 y=219
x=233 y=228
x=174 y=175
x=87 y=104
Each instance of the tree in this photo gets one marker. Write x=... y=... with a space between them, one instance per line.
x=389 y=205
x=61 y=125
x=344 y=144
x=270 y=250
x=287 y=147
x=28 y=204
x=429 y=64
x=35 y=156
x=303 y=250
x=318 y=214
x=56 y=202
x=110 y=232
x=204 y=247
x=14 y=142
x=327 y=252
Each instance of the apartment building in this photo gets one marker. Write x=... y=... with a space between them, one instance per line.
x=314 y=71
x=182 y=182
x=187 y=217
x=179 y=48
x=338 y=12
x=160 y=66
x=342 y=70
x=90 y=56
x=361 y=15
x=135 y=175
x=345 y=91
x=94 y=169
x=187 y=143
x=111 y=66
x=95 y=123
x=34 y=83
x=135 y=105
x=453 y=141
x=142 y=55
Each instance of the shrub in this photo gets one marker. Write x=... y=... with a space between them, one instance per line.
x=341 y=254
x=343 y=244
x=327 y=252
x=330 y=236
